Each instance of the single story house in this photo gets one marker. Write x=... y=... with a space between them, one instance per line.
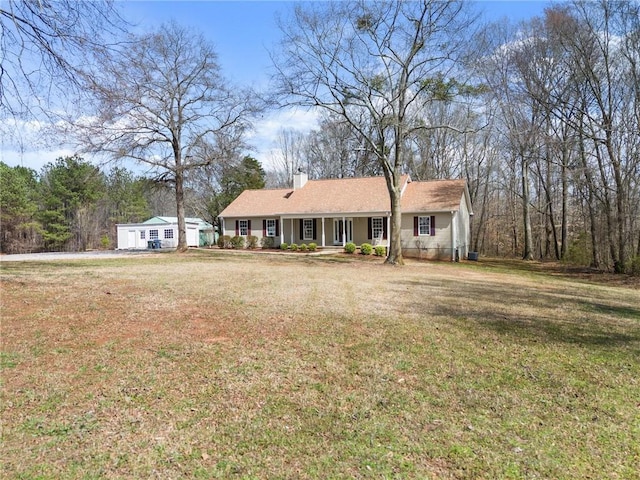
x=435 y=214
x=163 y=232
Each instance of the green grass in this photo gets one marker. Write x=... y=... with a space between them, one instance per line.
x=257 y=366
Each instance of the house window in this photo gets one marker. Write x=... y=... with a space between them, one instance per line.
x=424 y=225
x=377 y=228
x=271 y=228
x=168 y=233
x=153 y=234
x=143 y=234
x=243 y=227
x=307 y=229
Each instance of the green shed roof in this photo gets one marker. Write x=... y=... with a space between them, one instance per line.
x=202 y=225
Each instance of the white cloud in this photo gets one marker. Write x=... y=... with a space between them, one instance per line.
x=265 y=136
x=34 y=159
x=30 y=144
x=30 y=150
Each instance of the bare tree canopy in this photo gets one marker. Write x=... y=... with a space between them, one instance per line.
x=374 y=64
x=43 y=44
x=163 y=103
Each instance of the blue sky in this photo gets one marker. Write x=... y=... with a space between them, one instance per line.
x=242 y=32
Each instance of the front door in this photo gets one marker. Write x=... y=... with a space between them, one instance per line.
x=342 y=226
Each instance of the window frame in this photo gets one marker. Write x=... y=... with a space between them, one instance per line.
x=154 y=234
x=271 y=227
x=421 y=225
x=244 y=228
x=168 y=233
x=143 y=234
x=307 y=229
x=375 y=229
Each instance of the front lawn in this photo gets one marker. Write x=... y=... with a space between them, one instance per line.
x=206 y=365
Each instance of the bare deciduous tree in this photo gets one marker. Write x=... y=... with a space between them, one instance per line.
x=162 y=102
x=370 y=64
x=43 y=45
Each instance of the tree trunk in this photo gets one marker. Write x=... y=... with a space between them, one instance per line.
x=528 y=247
x=182 y=229
x=565 y=200
x=595 y=246
x=395 y=239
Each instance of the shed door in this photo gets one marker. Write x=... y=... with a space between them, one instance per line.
x=131 y=239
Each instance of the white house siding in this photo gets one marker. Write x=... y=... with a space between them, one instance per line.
x=293 y=234
x=437 y=246
x=256 y=228
x=289 y=229
x=129 y=241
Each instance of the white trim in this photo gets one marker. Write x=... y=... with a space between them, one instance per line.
x=246 y=221
x=377 y=239
x=281 y=230
x=453 y=236
x=267 y=220
x=292 y=233
x=303 y=234
x=428 y=234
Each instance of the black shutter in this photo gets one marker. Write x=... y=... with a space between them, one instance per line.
x=433 y=225
x=301 y=229
x=384 y=228
x=315 y=229
x=237 y=227
x=264 y=227
x=369 y=229
x=415 y=227
x=248 y=227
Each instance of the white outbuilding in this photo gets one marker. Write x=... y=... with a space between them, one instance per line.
x=162 y=232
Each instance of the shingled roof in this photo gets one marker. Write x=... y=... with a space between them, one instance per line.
x=259 y=203
x=433 y=196
x=347 y=196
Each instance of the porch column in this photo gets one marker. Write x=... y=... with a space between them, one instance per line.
x=344 y=231
x=323 y=231
x=281 y=230
x=389 y=230
x=291 y=232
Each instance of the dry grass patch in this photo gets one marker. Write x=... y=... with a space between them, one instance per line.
x=216 y=366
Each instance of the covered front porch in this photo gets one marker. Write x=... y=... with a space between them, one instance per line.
x=334 y=230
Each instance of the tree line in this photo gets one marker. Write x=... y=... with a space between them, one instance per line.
x=541 y=117
x=72 y=205
x=69 y=205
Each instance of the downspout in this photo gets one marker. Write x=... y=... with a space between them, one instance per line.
x=454 y=246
